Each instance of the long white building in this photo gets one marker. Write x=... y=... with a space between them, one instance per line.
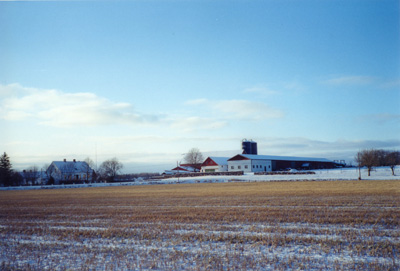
x=266 y=163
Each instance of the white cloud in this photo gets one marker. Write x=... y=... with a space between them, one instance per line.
x=13 y=90
x=381 y=118
x=261 y=90
x=351 y=80
x=249 y=110
x=239 y=109
x=191 y=124
x=391 y=84
x=197 y=102
x=61 y=109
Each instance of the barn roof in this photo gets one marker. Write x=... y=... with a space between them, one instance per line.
x=278 y=158
x=218 y=160
x=184 y=168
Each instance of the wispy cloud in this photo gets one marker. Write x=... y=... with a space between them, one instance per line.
x=263 y=90
x=391 y=84
x=351 y=80
x=239 y=109
x=381 y=118
x=190 y=124
x=61 y=109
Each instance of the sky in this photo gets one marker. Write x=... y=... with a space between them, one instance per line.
x=146 y=81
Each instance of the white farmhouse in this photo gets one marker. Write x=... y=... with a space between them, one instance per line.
x=70 y=171
x=215 y=164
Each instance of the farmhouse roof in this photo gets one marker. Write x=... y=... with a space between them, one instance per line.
x=71 y=166
x=277 y=158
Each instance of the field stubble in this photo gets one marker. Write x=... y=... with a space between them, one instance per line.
x=232 y=226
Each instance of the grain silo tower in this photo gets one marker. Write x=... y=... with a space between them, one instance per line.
x=249 y=146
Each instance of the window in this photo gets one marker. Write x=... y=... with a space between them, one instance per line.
x=254 y=166
x=239 y=167
x=245 y=166
x=232 y=167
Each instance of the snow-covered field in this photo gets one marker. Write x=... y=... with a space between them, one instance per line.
x=241 y=246
x=380 y=173
x=250 y=225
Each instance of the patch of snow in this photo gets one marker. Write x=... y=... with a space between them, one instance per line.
x=340 y=174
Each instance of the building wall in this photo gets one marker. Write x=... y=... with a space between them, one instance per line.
x=68 y=174
x=282 y=165
x=250 y=165
x=240 y=165
x=261 y=165
x=217 y=168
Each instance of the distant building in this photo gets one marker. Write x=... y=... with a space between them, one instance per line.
x=70 y=172
x=265 y=163
x=215 y=164
x=33 y=177
x=183 y=168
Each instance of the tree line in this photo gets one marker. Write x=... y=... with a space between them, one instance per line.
x=111 y=168
x=107 y=171
x=371 y=158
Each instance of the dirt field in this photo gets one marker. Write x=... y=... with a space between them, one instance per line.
x=245 y=226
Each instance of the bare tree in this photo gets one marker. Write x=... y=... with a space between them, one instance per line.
x=31 y=175
x=358 y=159
x=44 y=169
x=194 y=157
x=109 y=169
x=88 y=166
x=369 y=159
x=377 y=158
x=392 y=159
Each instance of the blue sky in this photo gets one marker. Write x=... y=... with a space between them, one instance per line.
x=145 y=81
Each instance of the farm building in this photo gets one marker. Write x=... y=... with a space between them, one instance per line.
x=265 y=163
x=70 y=172
x=183 y=168
x=215 y=164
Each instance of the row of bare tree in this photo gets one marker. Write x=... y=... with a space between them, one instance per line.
x=107 y=171
x=371 y=158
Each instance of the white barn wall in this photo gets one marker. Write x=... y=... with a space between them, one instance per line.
x=253 y=165
x=240 y=165
x=261 y=165
x=218 y=168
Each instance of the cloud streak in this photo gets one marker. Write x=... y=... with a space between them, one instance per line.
x=351 y=80
x=239 y=109
x=61 y=109
x=382 y=118
x=190 y=124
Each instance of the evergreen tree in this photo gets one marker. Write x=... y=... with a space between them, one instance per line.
x=5 y=170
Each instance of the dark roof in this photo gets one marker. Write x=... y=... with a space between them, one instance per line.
x=277 y=158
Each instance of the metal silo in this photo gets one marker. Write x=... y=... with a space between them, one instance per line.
x=249 y=146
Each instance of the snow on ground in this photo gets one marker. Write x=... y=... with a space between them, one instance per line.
x=68 y=239
x=381 y=173
x=216 y=246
